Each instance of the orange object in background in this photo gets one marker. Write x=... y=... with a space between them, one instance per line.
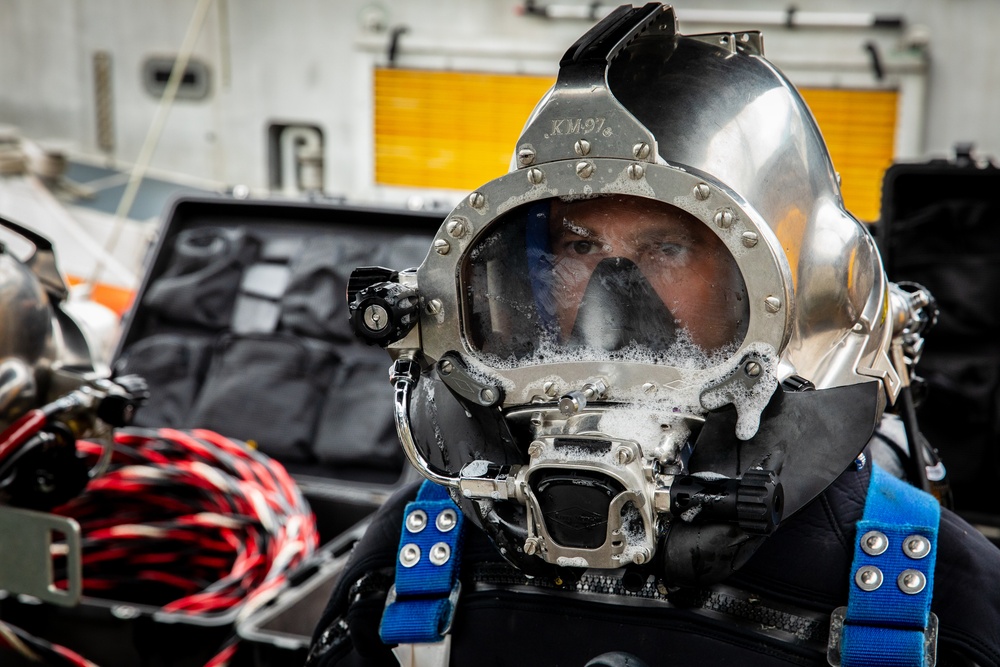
x=118 y=299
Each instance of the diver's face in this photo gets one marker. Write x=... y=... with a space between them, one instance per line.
x=687 y=265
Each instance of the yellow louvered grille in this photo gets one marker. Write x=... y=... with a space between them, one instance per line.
x=457 y=130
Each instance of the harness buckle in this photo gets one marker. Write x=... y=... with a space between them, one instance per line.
x=838 y=619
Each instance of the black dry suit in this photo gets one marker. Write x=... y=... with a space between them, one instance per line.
x=774 y=611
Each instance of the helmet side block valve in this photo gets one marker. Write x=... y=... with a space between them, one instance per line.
x=381 y=311
x=755 y=501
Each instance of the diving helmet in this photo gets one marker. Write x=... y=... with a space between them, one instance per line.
x=43 y=351
x=660 y=333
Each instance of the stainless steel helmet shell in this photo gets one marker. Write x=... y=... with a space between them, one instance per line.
x=705 y=123
x=704 y=126
x=26 y=337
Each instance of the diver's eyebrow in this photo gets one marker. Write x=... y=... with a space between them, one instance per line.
x=576 y=228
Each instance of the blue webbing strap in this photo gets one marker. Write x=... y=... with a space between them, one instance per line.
x=421 y=602
x=892 y=579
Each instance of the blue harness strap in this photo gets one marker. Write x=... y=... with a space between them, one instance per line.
x=421 y=603
x=888 y=621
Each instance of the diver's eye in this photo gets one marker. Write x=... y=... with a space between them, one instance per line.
x=668 y=249
x=585 y=247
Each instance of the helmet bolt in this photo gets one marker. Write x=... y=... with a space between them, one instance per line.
x=535 y=449
x=526 y=156
x=434 y=306
x=772 y=304
x=584 y=169
x=752 y=368
x=456 y=228
x=446 y=367
x=702 y=192
x=636 y=171
x=641 y=150
x=531 y=546
x=477 y=200
x=623 y=456
x=582 y=147
x=750 y=239
x=536 y=176
x=640 y=556
x=442 y=247
x=724 y=218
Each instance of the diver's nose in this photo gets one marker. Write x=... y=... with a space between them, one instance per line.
x=619 y=308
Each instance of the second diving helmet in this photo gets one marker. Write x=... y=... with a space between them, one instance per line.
x=660 y=333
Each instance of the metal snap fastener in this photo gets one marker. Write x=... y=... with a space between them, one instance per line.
x=911 y=582
x=409 y=555
x=440 y=553
x=868 y=578
x=416 y=521
x=916 y=547
x=446 y=520
x=874 y=543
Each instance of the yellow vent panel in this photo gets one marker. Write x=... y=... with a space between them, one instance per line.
x=457 y=130
x=860 y=130
x=449 y=129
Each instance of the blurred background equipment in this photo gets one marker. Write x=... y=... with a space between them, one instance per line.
x=938 y=228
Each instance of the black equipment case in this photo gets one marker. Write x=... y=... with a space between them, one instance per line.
x=241 y=326
x=939 y=228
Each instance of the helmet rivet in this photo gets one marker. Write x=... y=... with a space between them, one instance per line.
x=874 y=543
x=376 y=318
x=445 y=367
x=442 y=247
x=434 y=306
x=640 y=556
x=724 y=218
x=623 y=456
x=526 y=156
x=916 y=547
x=584 y=169
x=750 y=239
x=911 y=582
x=752 y=368
x=456 y=228
x=531 y=546
x=868 y=578
x=440 y=553
x=409 y=555
x=772 y=304
x=582 y=147
x=649 y=388
x=536 y=176
x=446 y=520
x=702 y=191
x=535 y=448
x=641 y=150
x=416 y=521
x=477 y=200
x=636 y=171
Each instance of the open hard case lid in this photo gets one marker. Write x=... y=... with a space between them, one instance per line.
x=241 y=326
x=939 y=228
